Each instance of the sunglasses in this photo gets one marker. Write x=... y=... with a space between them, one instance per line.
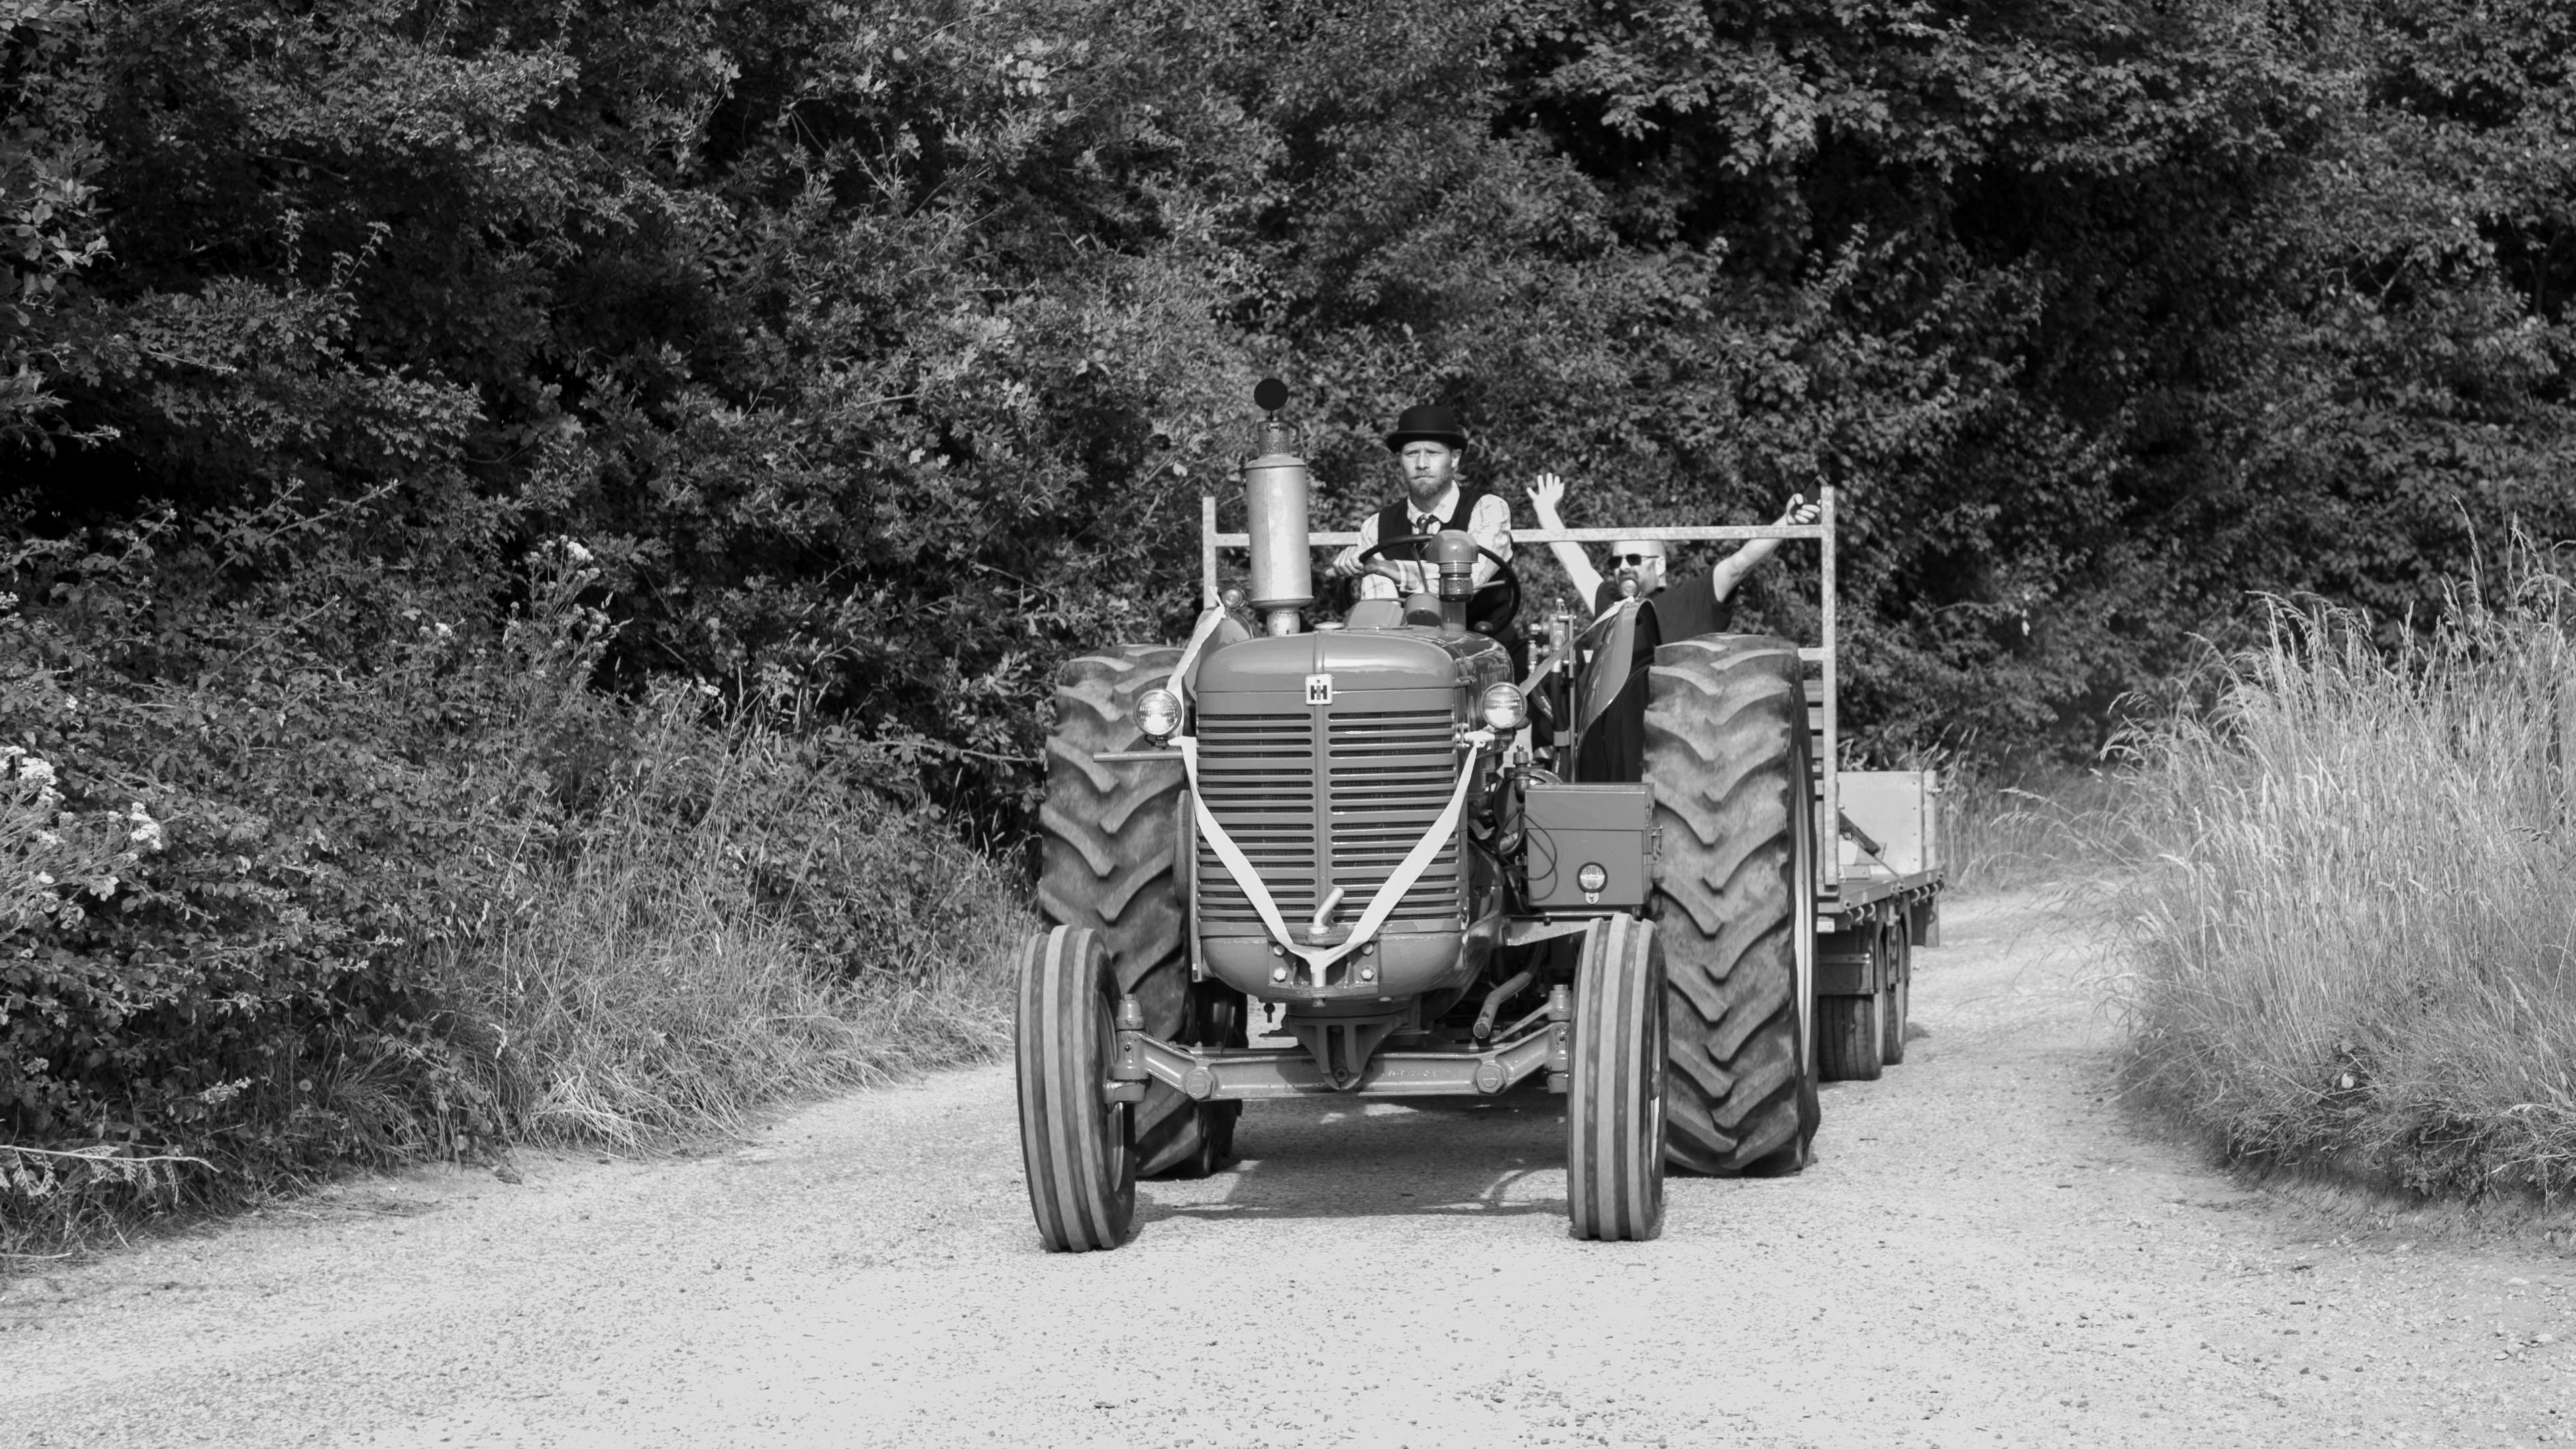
x=1635 y=560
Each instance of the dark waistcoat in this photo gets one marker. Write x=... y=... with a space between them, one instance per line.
x=1485 y=611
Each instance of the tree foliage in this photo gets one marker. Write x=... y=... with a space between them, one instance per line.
x=886 y=348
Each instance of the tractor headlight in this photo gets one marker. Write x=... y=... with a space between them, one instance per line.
x=1505 y=709
x=1158 y=714
x=1592 y=877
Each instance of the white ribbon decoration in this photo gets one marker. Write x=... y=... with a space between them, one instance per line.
x=1380 y=906
x=1209 y=618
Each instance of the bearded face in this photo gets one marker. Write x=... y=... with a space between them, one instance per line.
x=1428 y=469
x=1636 y=567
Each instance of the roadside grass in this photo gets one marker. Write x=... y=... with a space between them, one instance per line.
x=459 y=902
x=2048 y=830
x=2349 y=909
x=729 y=928
x=735 y=921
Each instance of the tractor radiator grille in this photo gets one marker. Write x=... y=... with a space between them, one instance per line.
x=1387 y=775
x=1257 y=775
x=1391 y=775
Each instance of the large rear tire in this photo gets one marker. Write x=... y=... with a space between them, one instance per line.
x=1075 y=1143
x=1614 y=1116
x=1727 y=764
x=1109 y=841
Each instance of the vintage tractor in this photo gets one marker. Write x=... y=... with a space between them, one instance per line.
x=1449 y=881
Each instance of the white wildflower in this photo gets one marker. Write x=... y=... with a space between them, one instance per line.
x=444 y=632
x=48 y=839
x=147 y=831
x=43 y=879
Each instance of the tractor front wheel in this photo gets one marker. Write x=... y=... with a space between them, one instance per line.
x=1614 y=1110
x=1077 y=1145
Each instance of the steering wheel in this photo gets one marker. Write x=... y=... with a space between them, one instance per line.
x=1502 y=566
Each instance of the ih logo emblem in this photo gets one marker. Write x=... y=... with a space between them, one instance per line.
x=1319 y=689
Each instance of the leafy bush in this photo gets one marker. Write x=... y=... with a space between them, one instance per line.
x=2354 y=943
x=318 y=865
x=739 y=914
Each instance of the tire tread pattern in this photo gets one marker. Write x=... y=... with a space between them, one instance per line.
x=1109 y=837
x=1726 y=764
x=1614 y=1125
x=1073 y=1144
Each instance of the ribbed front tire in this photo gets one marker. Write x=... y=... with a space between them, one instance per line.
x=1076 y=1144
x=1727 y=764
x=1614 y=1111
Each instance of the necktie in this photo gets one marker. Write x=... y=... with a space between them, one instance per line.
x=1426 y=524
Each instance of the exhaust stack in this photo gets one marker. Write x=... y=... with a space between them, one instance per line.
x=1275 y=489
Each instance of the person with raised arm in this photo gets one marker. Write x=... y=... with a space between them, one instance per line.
x=1695 y=604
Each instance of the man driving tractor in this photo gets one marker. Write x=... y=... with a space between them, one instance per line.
x=1429 y=446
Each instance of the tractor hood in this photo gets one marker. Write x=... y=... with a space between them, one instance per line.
x=1330 y=859
x=1305 y=667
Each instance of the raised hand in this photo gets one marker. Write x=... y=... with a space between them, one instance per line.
x=1546 y=494
x=1800 y=511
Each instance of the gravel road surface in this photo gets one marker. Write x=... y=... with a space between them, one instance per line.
x=1987 y=1252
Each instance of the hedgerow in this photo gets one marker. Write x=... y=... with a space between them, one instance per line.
x=307 y=867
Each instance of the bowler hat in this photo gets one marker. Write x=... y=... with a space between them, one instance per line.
x=1429 y=423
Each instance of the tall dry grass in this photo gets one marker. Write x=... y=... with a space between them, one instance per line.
x=2352 y=922
x=2035 y=830
x=735 y=920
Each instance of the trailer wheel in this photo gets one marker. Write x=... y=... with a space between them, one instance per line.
x=1727 y=762
x=1900 y=970
x=1109 y=838
x=1849 y=1037
x=1614 y=1111
x=1076 y=1144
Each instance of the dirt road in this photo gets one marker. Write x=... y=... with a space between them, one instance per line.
x=1987 y=1252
